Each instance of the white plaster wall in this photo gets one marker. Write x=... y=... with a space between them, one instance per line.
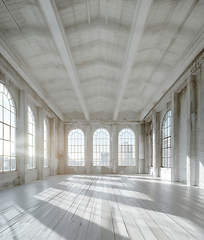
x=165 y=173
x=31 y=175
x=8 y=179
x=183 y=136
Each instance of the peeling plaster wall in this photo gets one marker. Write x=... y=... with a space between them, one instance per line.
x=15 y=83
x=8 y=179
x=188 y=118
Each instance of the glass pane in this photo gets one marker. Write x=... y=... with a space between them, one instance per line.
x=30 y=151
x=6 y=102
x=1 y=87
x=13 y=134
x=30 y=140
x=126 y=148
x=13 y=163
x=1 y=130
x=6 y=163
x=13 y=149
x=1 y=163
x=1 y=147
x=7 y=117
x=6 y=132
x=1 y=97
x=13 y=120
x=7 y=148
x=1 y=114
x=75 y=146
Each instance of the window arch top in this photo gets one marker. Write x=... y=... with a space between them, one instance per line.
x=126 y=147
x=7 y=130
x=31 y=116
x=76 y=131
x=76 y=148
x=101 y=131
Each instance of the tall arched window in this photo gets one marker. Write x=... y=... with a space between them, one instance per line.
x=166 y=140
x=45 y=144
x=101 y=147
x=126 y=148
x=7 y=130
x=76 y=148
x=31 y=139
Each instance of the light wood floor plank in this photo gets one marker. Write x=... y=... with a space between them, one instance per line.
x=105 y=207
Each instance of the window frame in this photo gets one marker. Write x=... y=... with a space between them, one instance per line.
x=33 y=134
x=97 y=161
x=77 y=147
x=11 y=127
x=46 y=144
x=121 y=148
x=166 y=139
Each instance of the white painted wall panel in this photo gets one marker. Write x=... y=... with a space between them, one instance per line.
x=183 y=136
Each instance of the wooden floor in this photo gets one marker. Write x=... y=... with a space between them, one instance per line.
x=102 y=207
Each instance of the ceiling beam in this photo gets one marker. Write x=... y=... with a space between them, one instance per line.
x=179 y=67
x=139 y=19
x=57 y=30
x=18 y=64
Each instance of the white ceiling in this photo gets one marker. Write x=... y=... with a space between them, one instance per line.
x=101 y=58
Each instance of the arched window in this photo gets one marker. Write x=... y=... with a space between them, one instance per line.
x=126 y=148
x=45 y=144
x=31 y=139
x=7 y=130
x=101 y=148
x=166 y=140
x=151 y=142
x=76 y=148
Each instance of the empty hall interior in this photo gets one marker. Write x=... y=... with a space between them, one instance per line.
x=102 y=119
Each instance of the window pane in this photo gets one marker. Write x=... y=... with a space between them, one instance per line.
x=1 y=163
x=101 y=148
x=13 y=149
x=166 y=140
x=76 y=148
x=1 y=114
x=6 y=163
x=7 y=148
x=13 y=120
x=31 y=138
x=13 y=134
x=6 y=132
x=13 y=163
x=7 y=116
x=126 y=148
x=6 y=103
x=1 y=147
